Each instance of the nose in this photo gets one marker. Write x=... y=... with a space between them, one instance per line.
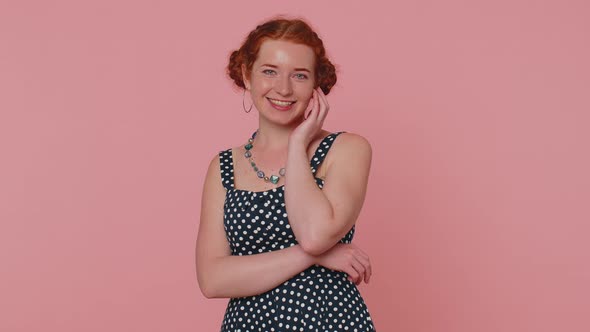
x=283 y=86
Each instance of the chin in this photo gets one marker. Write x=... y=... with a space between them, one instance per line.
x=283 y=119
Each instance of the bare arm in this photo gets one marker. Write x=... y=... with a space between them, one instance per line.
x=321 y=217
x=221 y=275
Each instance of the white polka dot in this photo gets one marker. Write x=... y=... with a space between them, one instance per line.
x=306 y=302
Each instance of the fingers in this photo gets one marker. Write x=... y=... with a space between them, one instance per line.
x=353 y=275
x=362 y=266
x=310 y=106
x=316 y=106
x=354 y=269
x=348 y=258
x=322 y=104
x=360 y=269
x=364 y=260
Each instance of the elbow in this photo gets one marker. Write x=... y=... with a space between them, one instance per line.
x=311 y=250
x=210 y=282
x=207 y=289
x=318 y=241
x=207 y=293
x=210 y=293
x=316 y=247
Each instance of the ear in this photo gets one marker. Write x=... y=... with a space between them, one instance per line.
x=244 y=78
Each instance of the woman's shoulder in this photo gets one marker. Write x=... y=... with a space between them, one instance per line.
x=222 y=156
x=225 y=151
x=349 y=142
x=349 y=145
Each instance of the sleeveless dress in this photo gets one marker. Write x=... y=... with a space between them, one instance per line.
x=317 y=299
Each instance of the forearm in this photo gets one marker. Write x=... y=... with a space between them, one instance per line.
x=248 y=275
x=310 y=212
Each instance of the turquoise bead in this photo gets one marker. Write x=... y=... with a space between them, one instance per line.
x=274 y=179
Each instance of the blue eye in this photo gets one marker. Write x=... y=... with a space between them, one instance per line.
x=301 y=76
x=268 y=70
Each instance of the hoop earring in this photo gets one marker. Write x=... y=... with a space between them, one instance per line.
x=244 y=104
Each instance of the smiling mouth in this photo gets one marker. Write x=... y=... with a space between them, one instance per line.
x=281 y=103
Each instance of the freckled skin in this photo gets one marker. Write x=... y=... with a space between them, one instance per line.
x=282 y=82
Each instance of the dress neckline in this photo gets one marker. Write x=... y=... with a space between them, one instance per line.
x=264 y=191
x=227 y=165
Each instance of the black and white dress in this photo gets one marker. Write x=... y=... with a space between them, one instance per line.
x=317 y=299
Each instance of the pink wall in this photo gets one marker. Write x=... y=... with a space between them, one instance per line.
x=477 y=214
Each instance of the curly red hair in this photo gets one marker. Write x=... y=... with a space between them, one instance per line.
x=294 y=30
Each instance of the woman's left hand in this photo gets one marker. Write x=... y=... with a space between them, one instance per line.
x=312 y=125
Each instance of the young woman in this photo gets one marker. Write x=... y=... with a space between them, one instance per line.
x=278 y=212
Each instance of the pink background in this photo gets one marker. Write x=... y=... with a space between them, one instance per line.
x=477 y=215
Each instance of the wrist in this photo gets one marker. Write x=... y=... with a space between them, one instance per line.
x=296 y=140
x=297 y=145
x=309 y=259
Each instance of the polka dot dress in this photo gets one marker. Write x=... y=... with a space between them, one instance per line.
x=317 y=299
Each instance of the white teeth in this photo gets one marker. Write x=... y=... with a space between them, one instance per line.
x=281 y=103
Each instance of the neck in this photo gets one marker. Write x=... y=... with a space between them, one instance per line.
x=273 y=137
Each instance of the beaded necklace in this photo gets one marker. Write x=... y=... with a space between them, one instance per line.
x=248 y=154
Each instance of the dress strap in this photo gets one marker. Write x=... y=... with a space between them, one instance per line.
x=322 y=150
x=226 y=165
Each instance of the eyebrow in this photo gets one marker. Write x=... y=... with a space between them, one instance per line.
x=296 y=69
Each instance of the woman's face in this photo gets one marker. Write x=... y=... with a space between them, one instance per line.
x=282 y=80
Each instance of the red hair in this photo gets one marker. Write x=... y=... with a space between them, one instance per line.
x=295 y=30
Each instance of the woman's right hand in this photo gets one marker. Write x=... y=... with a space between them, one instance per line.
x=348 y=258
